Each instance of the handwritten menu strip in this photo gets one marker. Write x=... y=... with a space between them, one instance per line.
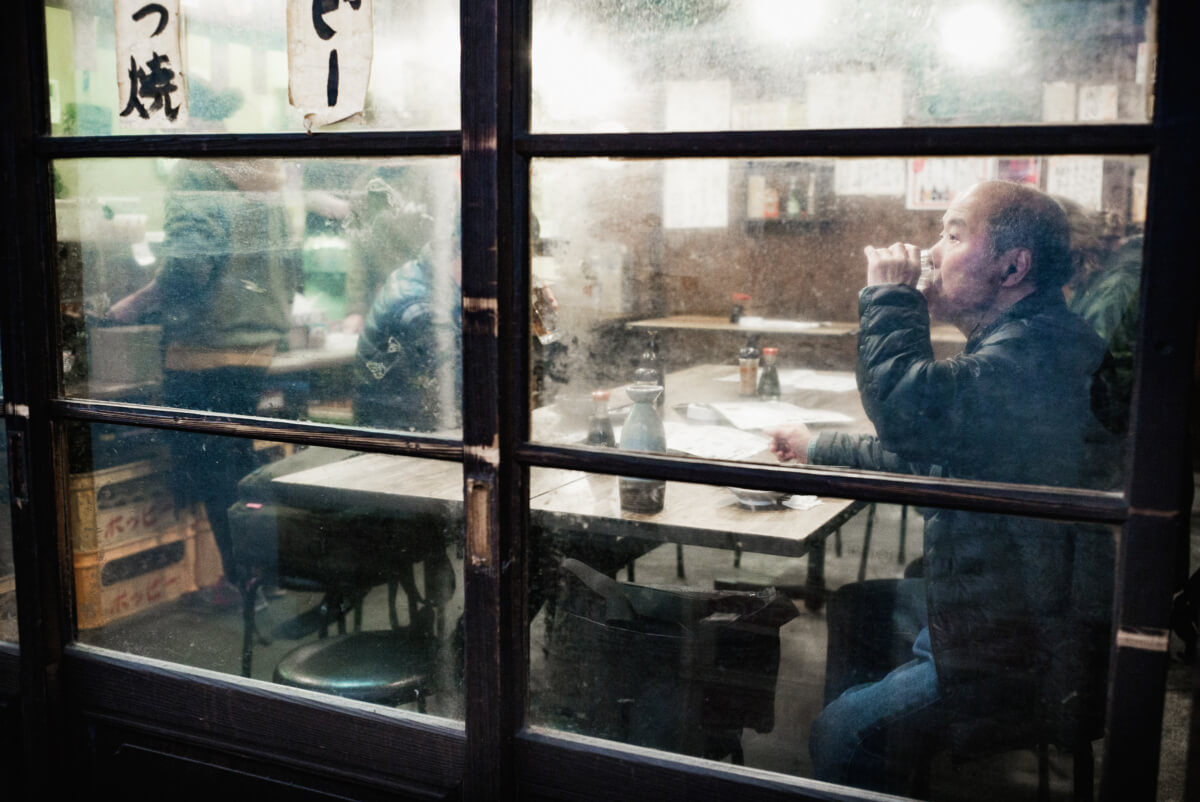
x=150 y=80
x=330 y=49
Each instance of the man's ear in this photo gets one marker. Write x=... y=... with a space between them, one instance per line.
x=1015 y=264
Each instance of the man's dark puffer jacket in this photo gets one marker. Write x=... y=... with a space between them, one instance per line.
x=1002 y=592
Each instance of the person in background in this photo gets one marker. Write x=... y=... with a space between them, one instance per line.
x=229 y=269
x=408 y=363
x=1103 y=290
x=408 y=366
x=979 y=638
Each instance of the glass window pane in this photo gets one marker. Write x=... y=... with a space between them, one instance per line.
x=797 y=64
x=235 y=69
x=311 y=290
x=174 y=533
x=8 y=582
x=697 y=275
x=734 y=625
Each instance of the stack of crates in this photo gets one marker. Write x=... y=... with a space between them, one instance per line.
x=131 y=550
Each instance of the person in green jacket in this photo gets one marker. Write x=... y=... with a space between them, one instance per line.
x=229 y=270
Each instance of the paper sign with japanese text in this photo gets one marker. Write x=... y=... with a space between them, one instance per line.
x=150 y=80
x=934 y=183
x=330 y=47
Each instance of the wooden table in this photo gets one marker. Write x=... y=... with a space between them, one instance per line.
x=829 y=344
x=573 y=504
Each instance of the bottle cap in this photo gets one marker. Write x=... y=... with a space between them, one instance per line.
x=600 y=395
x=769 y=351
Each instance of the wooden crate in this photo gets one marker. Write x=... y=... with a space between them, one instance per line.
x=125 y=502
x=133 y=575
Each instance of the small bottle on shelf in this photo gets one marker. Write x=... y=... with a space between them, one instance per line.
x=792 y=206
x=600 y=429
x=768 y=382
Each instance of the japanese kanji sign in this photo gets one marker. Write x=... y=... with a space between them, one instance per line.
x=150 y=82
x=330 y=46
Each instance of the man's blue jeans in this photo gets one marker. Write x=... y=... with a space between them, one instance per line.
x=875 y=733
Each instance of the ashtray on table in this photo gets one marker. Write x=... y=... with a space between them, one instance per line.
x=758 y=499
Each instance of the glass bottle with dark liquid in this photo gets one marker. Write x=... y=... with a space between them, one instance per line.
x=643 y=431
x=600 y=429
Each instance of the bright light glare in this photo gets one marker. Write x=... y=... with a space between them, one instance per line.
x=573 y=77
x=785 y=20
x=975 y=36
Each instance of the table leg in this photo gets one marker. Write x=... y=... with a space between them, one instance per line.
x=814 y=588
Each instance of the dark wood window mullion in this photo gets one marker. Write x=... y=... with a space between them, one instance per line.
x=326 y=145
x=282 y=430
x=1061 y=503
x=30 y=376
x=1161 y=476
x=1028 y=140
x=492 y=568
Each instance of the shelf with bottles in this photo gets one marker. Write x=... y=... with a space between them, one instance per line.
x=785 y=196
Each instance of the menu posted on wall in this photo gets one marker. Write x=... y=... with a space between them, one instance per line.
x=330 y=47
x=150 y=81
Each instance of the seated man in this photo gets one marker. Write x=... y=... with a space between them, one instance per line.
x=986 y=619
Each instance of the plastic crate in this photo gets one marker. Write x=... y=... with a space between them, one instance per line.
x=122 y=503
x=133 y=576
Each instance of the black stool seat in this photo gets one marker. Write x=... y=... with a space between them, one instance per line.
x=387 y=667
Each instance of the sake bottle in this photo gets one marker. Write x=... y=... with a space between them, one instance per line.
x=643 y=431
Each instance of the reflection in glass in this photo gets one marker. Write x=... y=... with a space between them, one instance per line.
x=236 y=68
x=170 y=563
x=687 y=65
x=311 y=290
x=705 y=271
x=684 y=631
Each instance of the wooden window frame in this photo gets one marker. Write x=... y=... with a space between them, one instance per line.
x=66 y=689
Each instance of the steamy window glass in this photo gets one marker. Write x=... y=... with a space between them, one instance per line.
x=772 y=630
x=234 y=67
x=333 y=571
x=8 y=586
x=314 y=290
x=744 y=310
x=680 y=65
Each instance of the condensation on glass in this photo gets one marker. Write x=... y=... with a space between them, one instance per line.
x=235 y=71
x=732 y=624
x=8 y=585
x=684 y=272
x=176 y=536
x=323 y=290
x=684 y=65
